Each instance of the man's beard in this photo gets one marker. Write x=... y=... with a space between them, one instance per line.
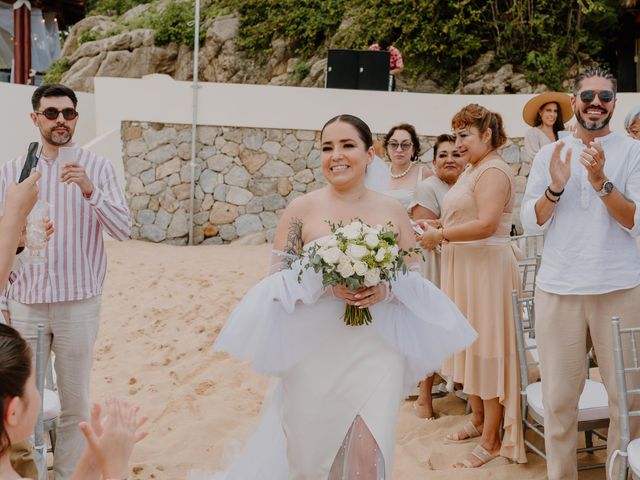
x=592 y=126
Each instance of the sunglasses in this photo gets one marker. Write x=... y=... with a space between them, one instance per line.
x=404 y=146
x=52 y=113
x=605 y=96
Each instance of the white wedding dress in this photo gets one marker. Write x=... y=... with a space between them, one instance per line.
x=337 y=389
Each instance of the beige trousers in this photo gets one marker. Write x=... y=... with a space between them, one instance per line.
x=70 y=332
x=561 y=332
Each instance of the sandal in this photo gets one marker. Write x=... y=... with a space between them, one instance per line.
x=469 y=428
x=481 y=454
x=416 y=407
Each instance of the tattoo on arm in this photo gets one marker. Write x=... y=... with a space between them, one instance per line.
x=294 y=237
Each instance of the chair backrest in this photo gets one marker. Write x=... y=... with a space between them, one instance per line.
x=632 y=367
x=524 y=320
x=528 y=272
x=529 y=245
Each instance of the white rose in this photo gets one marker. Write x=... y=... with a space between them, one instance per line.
x=331 y=255
x=394 y=251
x=357 y=251
x=371 y=239
x=345 y=269
x=360 y=268
x=331 y=242
x=372 y=277
x=352 y=231
x=380 y=254
x=371 y=230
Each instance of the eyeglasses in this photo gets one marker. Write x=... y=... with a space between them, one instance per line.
x=52 y=113
x=605 y=96
x=404 y=146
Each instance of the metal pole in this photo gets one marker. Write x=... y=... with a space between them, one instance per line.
x=194 y=121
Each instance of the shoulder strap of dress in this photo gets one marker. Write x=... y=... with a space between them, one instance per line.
x=419 y=179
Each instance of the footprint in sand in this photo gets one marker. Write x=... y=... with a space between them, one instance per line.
x=205 y=388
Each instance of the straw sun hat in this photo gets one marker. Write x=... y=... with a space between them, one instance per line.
x=531 y=108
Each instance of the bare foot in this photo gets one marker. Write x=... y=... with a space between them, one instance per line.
x=424 y=410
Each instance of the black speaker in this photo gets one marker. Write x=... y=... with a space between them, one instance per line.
x=374 y=70
x=355 y=69
x=342 y=69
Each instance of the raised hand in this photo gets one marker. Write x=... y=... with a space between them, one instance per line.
x=21 y=198
x=559 y=169
x=593 y=159
x=111 y=439
x=75 y=173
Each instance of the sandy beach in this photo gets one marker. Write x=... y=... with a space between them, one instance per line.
x=163 y=307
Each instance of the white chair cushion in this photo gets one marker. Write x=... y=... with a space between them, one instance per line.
x=50 y=405
x=593 y=404
x=633 y=450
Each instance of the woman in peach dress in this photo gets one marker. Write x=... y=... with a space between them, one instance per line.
x=479 y=272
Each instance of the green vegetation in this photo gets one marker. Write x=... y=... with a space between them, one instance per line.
x=56 y=71
x=112 y=7
x=88 y=36
x=438 y=38
x=301 y=70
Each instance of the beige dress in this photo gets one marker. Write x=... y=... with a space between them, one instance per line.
x=479 y=277
x=429 y=194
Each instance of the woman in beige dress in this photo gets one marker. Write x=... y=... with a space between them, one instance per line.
x=426 y=203
x=479 y=272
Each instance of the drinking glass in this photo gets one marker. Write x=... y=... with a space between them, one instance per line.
x=36 y=240
x=68 y=155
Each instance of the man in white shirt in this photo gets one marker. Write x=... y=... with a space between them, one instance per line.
x=584 y=194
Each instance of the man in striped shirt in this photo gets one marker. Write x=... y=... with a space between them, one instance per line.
x=64 y=292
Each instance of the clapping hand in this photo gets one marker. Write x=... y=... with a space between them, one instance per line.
x=559 y=169
x=111 y=439
x=593 y=159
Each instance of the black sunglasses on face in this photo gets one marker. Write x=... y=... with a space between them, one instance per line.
x=605 y=96
x=52 y=113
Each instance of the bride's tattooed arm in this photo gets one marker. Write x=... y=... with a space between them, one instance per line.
x=294 y=237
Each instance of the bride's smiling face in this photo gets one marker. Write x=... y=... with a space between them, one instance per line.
x=344 y=154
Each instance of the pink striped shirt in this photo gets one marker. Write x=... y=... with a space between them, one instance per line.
x=76 y=259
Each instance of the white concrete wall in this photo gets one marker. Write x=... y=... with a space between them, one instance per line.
x=158 y=98
x=16 y=129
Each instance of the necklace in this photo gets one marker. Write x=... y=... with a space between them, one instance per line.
x=400 y=175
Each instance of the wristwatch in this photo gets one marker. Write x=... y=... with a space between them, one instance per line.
x=607 y=188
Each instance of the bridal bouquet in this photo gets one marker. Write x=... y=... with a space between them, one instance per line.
x=356 y=255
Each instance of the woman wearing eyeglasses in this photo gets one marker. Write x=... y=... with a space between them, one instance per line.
x=403 y=146
x=632 y=122
x=546 y=113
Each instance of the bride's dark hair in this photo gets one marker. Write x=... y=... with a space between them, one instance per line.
x=364 y=132
x=15 y=368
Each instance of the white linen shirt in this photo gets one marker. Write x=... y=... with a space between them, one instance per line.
x=586 y=251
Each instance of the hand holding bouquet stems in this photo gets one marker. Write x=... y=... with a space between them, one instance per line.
x=358 y=261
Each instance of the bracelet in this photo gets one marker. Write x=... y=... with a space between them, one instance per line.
x=555 y=194
x=546 y=194
x=444 y=239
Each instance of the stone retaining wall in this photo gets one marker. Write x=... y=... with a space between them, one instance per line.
x=245 y=177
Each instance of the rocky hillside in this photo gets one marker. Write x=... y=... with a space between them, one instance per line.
x=125 y=46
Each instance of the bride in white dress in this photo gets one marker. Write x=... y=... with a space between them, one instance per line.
x=337 y=389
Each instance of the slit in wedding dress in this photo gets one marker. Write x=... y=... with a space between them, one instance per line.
x=359 y=457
